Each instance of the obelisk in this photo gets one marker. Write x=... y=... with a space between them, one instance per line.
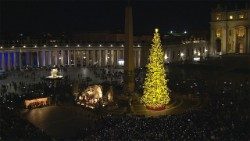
x=129 y=66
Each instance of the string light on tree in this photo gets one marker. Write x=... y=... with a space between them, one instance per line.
x=155 y=90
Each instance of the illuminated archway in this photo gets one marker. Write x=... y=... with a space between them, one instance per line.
x=240 y=39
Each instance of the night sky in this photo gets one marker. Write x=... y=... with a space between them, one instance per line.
x=41 y=16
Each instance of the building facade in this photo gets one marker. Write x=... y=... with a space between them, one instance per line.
x=230 y=31
x=188 y=51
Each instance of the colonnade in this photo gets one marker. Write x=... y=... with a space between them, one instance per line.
x=20 y=57
x=101 y=56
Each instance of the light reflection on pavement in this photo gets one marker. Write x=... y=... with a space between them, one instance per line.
x=60 y=121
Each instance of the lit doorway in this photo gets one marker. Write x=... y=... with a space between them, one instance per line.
x=218 y=45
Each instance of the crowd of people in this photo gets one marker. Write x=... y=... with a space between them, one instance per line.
x=30 y=84
x=108 y=74
x=225 y=117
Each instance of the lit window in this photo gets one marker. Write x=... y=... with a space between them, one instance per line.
x=218 y=17
x=165 y=57
x=182 y=54
x=241 y=16
x=121 y=62
x=231 y=17
x=199 y=53
x=218 y=33
x=240 y=32
x=197 y=59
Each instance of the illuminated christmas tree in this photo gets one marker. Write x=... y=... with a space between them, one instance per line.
x=155 y=93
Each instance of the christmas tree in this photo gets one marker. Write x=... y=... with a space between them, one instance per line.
x=155 y=93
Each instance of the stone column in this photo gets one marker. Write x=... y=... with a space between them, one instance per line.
x=83 y=58
x=248 y=39
x=135 y=52
x=20 y=60
x=81 y=52
x=139 y=58
x=49 y=57
x=43 y=58
x=100 y=58
x=106 y=57
x=117 y=57
x=27 y=58
x=211 y=50
x=62 y=58
x=69 y=58
x=14 y=60
x=74 y=58
x=3 y=61
x=52 y=58
x=123 y=55
x=31 y=59
x=38 y=59
x=135 y=57
x=112 y=57
x=56 y=57
x=9 y=61
x=224 y=40
x=87 y=57
x=93 y=57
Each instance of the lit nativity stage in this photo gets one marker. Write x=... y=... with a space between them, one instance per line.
x=93 y=97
